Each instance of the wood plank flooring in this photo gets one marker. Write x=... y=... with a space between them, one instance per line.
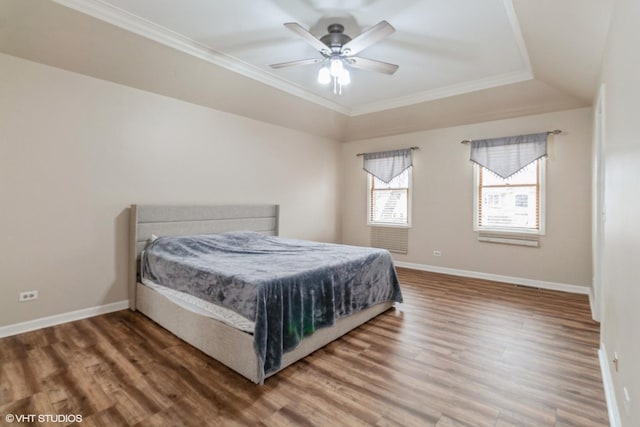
x=457 y=352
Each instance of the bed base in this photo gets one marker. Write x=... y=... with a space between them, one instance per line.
x=228 y=345
x=232 y=347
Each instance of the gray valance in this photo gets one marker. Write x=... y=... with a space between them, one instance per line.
x=506 y=156
x=386 y=165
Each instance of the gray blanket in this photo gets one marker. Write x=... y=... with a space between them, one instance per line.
x=289 y=288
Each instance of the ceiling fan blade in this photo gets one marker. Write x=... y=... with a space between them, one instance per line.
x=308 y=37
x=372 y=65
x=295 y=63
x=373 y=35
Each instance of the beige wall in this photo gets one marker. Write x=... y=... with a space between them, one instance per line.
x=620 y=326
x=75 y=152
x=443 y=200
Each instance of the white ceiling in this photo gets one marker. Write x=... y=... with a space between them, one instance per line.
x=461 y=61
x=443 y=47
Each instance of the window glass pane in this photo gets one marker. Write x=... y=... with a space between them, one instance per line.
x=512 y=204
x=389 y=206
x=509 y=207
x=389 y=203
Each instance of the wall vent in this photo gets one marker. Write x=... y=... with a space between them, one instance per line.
x=394 y=239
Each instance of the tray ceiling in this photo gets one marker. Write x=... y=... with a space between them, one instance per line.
x=461 y=61
x=443 y=47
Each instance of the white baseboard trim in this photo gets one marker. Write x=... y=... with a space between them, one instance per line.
x=609 y=391
x=592 y=300
x=574 y=289
x=45 y=322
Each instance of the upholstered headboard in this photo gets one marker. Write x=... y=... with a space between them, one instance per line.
x=147 y=220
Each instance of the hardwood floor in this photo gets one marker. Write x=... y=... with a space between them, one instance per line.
x=457 y=352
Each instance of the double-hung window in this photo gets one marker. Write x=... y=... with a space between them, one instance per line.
x=509 y=188
x=389 y=203
x=510 y=205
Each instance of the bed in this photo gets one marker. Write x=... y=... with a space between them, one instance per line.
x=269 y=294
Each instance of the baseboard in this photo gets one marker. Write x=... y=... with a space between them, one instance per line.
x=574 y=289
x=45 y=322
x=609 y=391
x=595 y=315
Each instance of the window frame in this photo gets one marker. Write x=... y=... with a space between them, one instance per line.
x=542 y=187
x=370 y=189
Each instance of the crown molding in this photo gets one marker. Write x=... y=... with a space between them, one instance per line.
x=467 y=87
x=517 y=34
x=145 y=28
x=444 y=92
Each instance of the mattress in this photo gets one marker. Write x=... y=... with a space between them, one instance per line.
x=202 y=307
x=289 y=288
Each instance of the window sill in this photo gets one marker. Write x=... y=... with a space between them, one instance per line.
x=527 y=238
x=378 y=224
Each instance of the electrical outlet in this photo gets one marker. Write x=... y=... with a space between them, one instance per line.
x=437 y=253
x=28 y=296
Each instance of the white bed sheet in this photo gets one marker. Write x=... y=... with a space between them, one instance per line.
x=202 y=307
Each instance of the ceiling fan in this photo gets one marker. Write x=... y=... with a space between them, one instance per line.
x=338 y=50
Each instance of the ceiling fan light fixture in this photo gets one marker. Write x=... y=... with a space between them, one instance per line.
x=344 y=78
x=338 y=52
x=336 y=67
x=324 y=76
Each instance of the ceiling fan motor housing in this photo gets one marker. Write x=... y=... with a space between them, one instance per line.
x=336 y=37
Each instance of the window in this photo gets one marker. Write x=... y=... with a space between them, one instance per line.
x=389 y=204
x=512 y=205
